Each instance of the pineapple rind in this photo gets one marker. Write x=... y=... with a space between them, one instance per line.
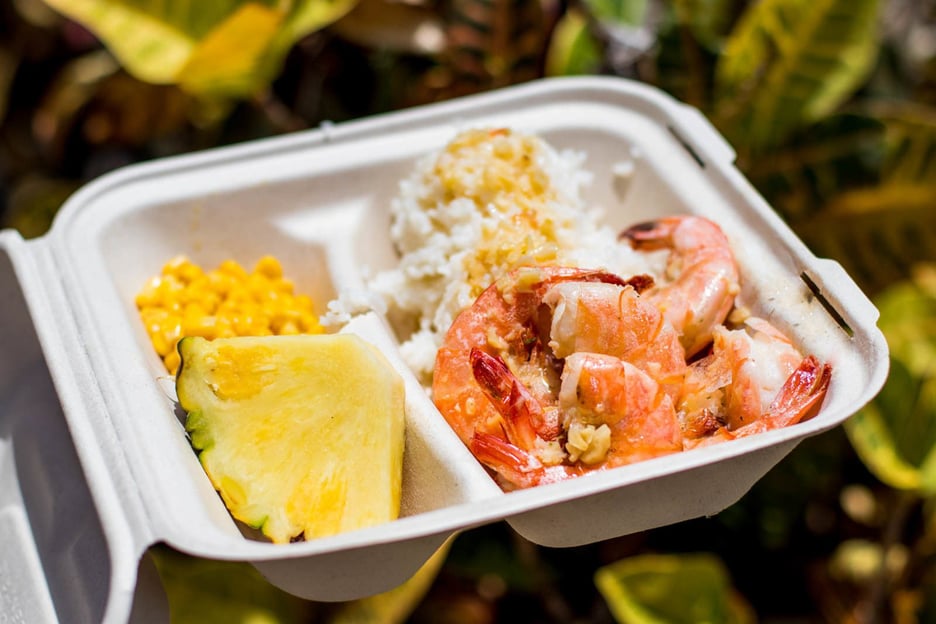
x=340 y=465
x=195 y=426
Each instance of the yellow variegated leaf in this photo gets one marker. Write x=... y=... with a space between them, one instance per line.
x=875 y=445
x=228 y=48
x=226 y=60
x=572 y=49
x=149 y=44
x=223 y=592
x=671 y=589
x=709 y=20
x=895 y=436
x=911 y=142
x=877 y=233
x=308 y=16
x=790 y=62
x=396 y=605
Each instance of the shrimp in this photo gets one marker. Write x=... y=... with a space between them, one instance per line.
x=499 y=378
x=596 y=317
x=611 y=414
x=703 y=273
x=557 y=372
x=505 y=320
x=753 y=380
x=604 y=391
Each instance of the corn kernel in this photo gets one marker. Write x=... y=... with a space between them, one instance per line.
x=269 y=267
x=207 y=327
x=239 y=294
x=192 y=319
x=172 y=361
x=220 y=282
x=243 y=324
x=232 y=268
x=303 y=302
x=282 y=317
x=163 y=342
x=183 y=269
x=288 y=328
x=309 y=324
x=148 y=296
x=184 y=300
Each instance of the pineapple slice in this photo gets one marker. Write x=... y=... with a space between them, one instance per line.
x=301 y=435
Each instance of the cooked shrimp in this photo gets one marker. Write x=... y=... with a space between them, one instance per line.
x=604 y=391
x=611 y=414
x=596 y=317
x=702 y=270
x=753 y=375
x=557 y=372
x=524 y=417
x=499 y=382
x=504 y=321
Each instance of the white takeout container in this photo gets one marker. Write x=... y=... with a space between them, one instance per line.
x=95 y=465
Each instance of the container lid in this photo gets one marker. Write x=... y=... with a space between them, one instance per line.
x=63 y=556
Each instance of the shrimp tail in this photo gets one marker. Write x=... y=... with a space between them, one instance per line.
x=524 y=418
x=801 y=394
x=511 y=462
x=703 y=271
x=651 y=235
x=798 y=399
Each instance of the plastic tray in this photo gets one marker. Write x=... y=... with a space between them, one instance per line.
x=94 y=462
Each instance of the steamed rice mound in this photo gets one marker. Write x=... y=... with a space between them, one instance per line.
x=490 y=201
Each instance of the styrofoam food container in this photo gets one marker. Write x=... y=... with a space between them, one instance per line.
x=94 y=462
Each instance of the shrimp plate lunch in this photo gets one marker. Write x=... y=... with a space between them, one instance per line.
x=548 y=370
x=601 y=328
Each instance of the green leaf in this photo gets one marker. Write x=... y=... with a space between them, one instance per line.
x=789 y=63
x=33 y=202
x=895 y=436
x=577 y=45
x=877 y=233
x=396 y=605
x=223 y=592
x=226 y=48
x=876 y=446
x=858 y=561
x=911 y=142
x=671 y=589
x=572 y=49
x=799 y=178
x=630 y=12
x=880 y=232
x=908 y=320
x=227 y=60
x=709 y=21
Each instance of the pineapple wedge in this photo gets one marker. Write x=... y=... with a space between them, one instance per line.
x=301 y=435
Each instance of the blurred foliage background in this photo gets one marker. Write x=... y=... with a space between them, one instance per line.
x=831 y=106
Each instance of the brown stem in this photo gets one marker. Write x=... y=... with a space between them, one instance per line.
x=695 y=75
x=875 y=608
x=280 y=116
x=553 y=602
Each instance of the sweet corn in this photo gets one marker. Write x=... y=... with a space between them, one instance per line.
x=184 y=300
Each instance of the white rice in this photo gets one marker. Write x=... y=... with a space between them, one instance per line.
x=462 y=219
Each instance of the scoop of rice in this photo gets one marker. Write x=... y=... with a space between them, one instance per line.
x=490 y=201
